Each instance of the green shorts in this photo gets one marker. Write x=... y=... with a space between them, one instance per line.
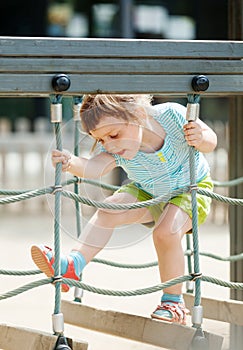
x=183 y=200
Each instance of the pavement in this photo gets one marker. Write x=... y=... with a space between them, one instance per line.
x=133 y=244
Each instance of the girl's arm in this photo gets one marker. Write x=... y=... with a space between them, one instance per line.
x=94 y=167
x=200 y=135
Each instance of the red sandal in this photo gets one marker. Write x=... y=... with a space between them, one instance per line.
x=44 y=259
x=171 y=312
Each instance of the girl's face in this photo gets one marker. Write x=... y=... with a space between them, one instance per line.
x=118 y=136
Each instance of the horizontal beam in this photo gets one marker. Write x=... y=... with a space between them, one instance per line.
x=138 y=328
x=70 y=47
x=16 y=338
x=230 y=311
x=119 y=66
x=40 y=85
x=27 y=66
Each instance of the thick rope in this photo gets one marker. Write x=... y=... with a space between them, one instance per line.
x=136 y=205
x=77 y=123
x=121 y=293
x=24 y=195
x=224 y=199
x=192 y=163
x=229 y=183
x=152 y=289
x=231 y=258
x=19 y=273
x=77 y=180
x=58 y=189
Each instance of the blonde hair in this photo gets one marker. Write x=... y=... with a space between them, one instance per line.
x=118 y=106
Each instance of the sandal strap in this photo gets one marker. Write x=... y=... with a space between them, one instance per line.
x=177 y=310
x=71 y=273
x=49 y=250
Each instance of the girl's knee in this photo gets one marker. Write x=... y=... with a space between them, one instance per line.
x=160 y=235
x=164 y=237
x=172 y=225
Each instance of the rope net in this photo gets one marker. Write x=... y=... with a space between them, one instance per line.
x=58 y=190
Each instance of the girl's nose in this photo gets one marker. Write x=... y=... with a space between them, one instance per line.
x=109 y=146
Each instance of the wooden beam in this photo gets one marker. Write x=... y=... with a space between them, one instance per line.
x=119 y=66
x=138 y=328
x=160 y=67
x=60 y=47
x=40 y=85
x=15 y=338
x=219 y=310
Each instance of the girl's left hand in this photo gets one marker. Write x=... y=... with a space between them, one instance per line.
x=193 y=134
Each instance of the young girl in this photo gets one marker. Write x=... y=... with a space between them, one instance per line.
x=151 y=144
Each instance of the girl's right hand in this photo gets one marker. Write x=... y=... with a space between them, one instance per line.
x=63 y=157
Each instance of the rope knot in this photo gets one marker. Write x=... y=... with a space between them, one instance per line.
x=56 y=188
x=79 y=180
x=193 y=187
x=56 y=279
x=196 y=276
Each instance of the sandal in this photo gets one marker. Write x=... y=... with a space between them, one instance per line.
x=171 y=312
x=44 y=259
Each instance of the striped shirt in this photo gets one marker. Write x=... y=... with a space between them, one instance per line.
x=167 y=169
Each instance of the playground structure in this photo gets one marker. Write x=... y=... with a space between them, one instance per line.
x=55 y=67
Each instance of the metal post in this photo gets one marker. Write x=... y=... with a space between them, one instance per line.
x=126 y=18
x=235 y=170
x=235 y=212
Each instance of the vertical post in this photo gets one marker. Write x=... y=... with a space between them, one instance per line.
x=235 y=212
x=126 y=18
x=235 y=170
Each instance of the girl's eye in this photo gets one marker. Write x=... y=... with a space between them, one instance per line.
x=113 y=136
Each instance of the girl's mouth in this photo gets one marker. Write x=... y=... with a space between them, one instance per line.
x=121 y=152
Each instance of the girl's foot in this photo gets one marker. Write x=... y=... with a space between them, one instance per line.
x=44 y=259
x=172 y=312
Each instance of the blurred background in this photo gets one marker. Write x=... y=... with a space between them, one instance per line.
x=25 y=129
x=26 y=136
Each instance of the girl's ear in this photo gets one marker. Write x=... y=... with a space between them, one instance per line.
x=140 y=114
x=93 y=147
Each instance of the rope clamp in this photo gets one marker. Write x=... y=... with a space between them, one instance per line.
x=189 y=252
x=196 y=276
x=79 y=180
x=56 y=279
x=193 y=187
x=192 y=112
x=56 y=113
x=57 y=188
x=76 y=111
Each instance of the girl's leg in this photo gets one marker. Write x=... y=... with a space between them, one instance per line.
x=94 y=238
x=99 y=229
x=167 y=235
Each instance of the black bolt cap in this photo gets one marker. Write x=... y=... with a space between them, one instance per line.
x=61 y=82
x=200 y=83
